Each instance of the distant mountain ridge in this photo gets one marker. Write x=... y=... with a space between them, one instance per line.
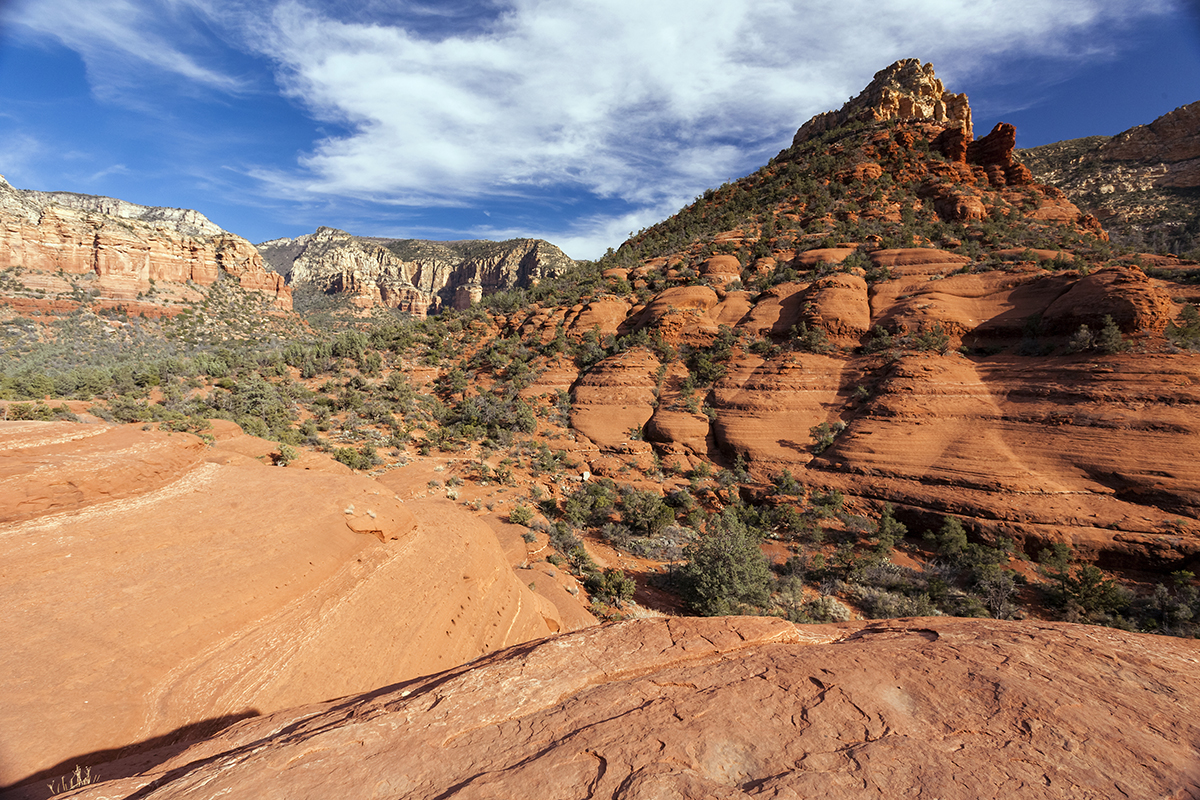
x=1143 y=184
x=412 y=275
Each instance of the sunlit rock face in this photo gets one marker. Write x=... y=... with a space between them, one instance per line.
x=737 y=707
x=126 y=248
x=905 y=91
x=414 y=276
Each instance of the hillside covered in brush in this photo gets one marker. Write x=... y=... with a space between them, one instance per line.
x=1143 y=184
x=889 y=330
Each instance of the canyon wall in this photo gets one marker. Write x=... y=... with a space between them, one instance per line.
x=411 y=275
x=127 y=249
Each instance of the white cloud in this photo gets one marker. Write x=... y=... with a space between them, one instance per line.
x=646 y=102
x=121 y=40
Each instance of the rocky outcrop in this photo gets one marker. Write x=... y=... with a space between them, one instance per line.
x=157 y=589
x=952 y=378
x=1140 y=183
x=994 y=153
x=905 y=91
x=735 y=707
x=183 y=220
x=124 y=248
x=415 y=276
x=1172 y=140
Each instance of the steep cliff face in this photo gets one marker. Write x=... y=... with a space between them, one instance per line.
x=1143 y=184
x=411 y=275
x=126 y=250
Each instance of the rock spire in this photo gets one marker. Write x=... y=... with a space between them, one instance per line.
x=905 y=91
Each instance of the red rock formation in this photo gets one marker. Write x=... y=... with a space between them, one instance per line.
x=994 y=152
x=904 y=91
x=151 y=583
x=615 y=399
x=124 y=254
x=735 y=707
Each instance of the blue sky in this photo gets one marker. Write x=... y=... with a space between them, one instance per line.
x=577 y=121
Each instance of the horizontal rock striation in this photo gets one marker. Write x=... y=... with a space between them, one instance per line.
x=126 y=248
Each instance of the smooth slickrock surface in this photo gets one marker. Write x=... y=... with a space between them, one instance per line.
x=150 y=584
x=739 y=707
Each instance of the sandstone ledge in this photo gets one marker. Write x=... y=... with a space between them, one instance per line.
x=733 y=707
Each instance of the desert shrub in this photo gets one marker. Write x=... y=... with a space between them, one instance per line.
x=824 y=434
x=1081 y=589
x=644 y=512
x=888 y=532
x=827 y=504
x=881 y=604
x=933 y=338
x=879 y=341
x=1081 y=340
x=726 y=571
x=820 y=610
x=1109 y=340
x=285 y=455
x=590 y=504
x=786 y=483
x=612 y=586
x=363 y=458
x=520 y=515
x=39 y=411
x=950 y=540
x=809 y=340
x=1184 y=331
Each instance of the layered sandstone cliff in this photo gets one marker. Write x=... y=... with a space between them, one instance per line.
x=955 y=371
x=410 y=275
x=124 y=250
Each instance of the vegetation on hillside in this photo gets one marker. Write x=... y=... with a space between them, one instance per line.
x=377 y=392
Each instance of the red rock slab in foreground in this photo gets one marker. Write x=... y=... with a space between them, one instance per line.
x=156 y=605
x=739 y=707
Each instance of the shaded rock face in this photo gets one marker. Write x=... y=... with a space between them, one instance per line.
x=156 y=589
x=1141 y=183
x=904 y=91
x=737 y=707
x=126 y=247
x=415 y=276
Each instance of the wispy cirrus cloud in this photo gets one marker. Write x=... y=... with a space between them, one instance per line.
x=124 y=42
